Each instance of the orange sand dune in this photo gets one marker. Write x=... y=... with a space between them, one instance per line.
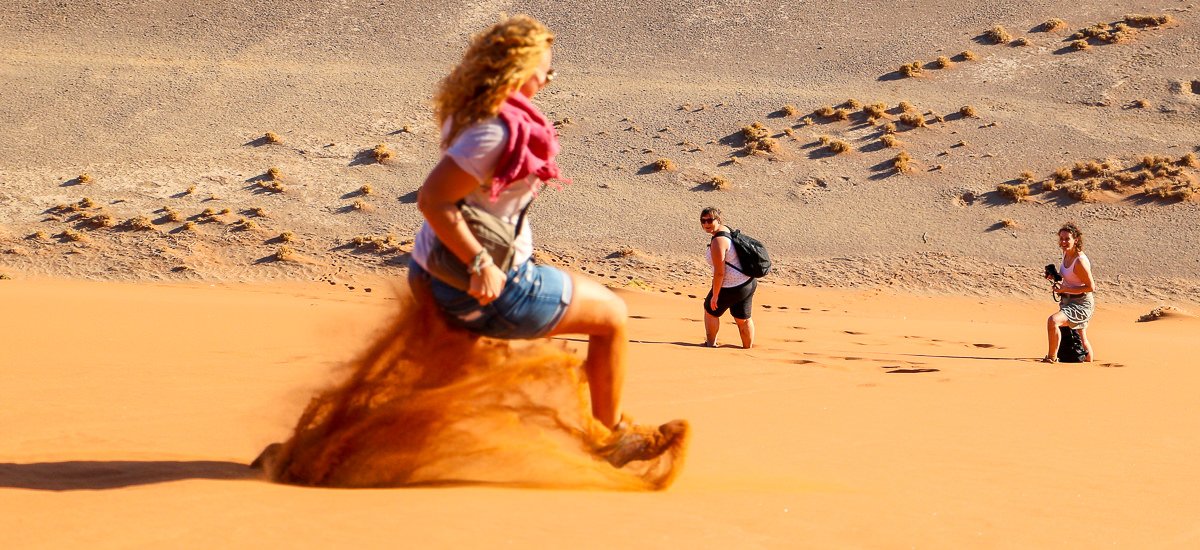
x=862 y=419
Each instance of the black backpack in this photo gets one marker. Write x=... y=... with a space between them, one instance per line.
x=752 y=254
x=1070 y=346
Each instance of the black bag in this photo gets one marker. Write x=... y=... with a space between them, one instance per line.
x=1070 y=346
x=751 y=253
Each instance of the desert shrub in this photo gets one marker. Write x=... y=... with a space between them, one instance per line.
x=286 y=237
x=902 y=163
x=889 y=140
x=756 y=131
x=85 y=203
x=1022 y=41
x=1141 y=103
x=969 y=55
x=944 y=62
x=382 y=153
x=906 y=107
x=824 y=140
x=366 y=189
x=258 y=212
x=764 y=145
x=875 y=110
x=1080 y=45
x=790 y=110
x=272 y=137
x=1008 y=223
x=1082 y=190
x=189 y=226
x=841 y=114
x=826 y=111
x=889 y=128
x=138 y=223
x=1189 y=160
x=1138 y=20
x=1026 y=177
x=789 y=133
x=838 y=146
x=807 y=121
x=719 y=183
x=852 y=104
x=911 y=69
x=1015 y=192
x=913 y=119
x=73 y=235
x=274 y=174
x=225 y=212
x=1053 y=24
x=998 y=35
x=1063 y=175
x=664 y=164
x=284 y=254
x=85 y=178
x=191 y=190
x=968 y=111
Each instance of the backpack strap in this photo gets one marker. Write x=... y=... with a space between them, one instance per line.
x=729 y=236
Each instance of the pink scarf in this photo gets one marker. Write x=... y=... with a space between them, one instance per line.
x=531 y=147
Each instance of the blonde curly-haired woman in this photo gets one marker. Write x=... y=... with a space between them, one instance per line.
x=498 y=150
x=1076 y=301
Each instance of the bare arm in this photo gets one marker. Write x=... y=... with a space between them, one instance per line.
x=718 y=250
x=1083 y=270
x=438 y=201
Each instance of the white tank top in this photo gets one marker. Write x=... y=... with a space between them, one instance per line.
x=733 y=276
x=1070 y=279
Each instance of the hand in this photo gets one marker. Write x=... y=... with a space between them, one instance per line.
x=487 y=284
x=712 y=304
x=1058 y=287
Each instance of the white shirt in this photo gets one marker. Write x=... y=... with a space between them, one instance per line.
x=733 y=277
x=476 y=150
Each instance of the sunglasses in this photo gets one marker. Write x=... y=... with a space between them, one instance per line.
x=707 y=220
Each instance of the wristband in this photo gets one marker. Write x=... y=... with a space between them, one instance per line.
x=481 y=261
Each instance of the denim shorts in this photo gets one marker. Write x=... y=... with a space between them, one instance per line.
x=533 y=301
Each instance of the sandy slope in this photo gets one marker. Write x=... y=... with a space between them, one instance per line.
x=862 y=419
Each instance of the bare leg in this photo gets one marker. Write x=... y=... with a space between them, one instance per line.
x=600 y=314
x=1086 y=345
x=1052 y=336
x=746 y=329
x=711 y=326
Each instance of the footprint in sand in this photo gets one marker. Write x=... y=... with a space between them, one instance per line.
x=1111 y=365
x=988 y=346
x=638 y=317
x=783 y=307
x=806 y=309
x=912 y=371
x=803 y=361
x=766 y=306
x=851 y=332
x=853 y=358
x=793 y=341
x=692 y=296
x=800 y=328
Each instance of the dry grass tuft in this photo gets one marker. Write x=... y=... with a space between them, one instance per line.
x=1063 y=175
x=1141 y=104
x=852 y=104
x=373 y=243
x=757 y=130
x=38 y=235
x=365 y=189
x=1158 y=313
x=1022 y=41
x=73 y=235
x=85 y=203
x=837 y=146
x=188 y=226
x=382 y=153
x=1008 y=223
x=1014 y=192
x=841 y=114
x=100 y=220
x=875 y=111
x=245 y=225
x=968 y=111
x=944 y=62
x=1080 y=45
x=360 y=205
x=807 y=121
x=1138 y=20
x=272 y=137
x=1082 y=190
x=889 y=140
x=826 y=111
x=719 y=183
x=789 y=133
x=191 y=190
x=1053 y=24
x=286 y=237
x=274 y=174
x=138 y=223
x=1189 y=160
x=665 y=165
x=789 y=110
x=85 y=178
x=259 y=212
x=906 y=107
x=285 y=254
x=998 y=35
x=889 y=128
x=902 y=163
x=913 y=119
x=1026 y=177
x=969 y=55
x=911 y=69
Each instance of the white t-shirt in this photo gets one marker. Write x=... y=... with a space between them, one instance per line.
x=476 y=150
x=733 y=275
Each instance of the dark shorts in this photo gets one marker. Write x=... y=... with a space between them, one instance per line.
x=738 y=300
x=533 y=301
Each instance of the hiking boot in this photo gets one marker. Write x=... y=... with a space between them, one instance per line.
x=630 y=442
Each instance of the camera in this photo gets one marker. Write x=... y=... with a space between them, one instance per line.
x=1052 y=273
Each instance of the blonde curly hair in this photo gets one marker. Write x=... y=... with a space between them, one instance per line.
x=497 y=63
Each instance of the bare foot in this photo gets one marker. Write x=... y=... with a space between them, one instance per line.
x=633 y=442
x=1049 y=359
